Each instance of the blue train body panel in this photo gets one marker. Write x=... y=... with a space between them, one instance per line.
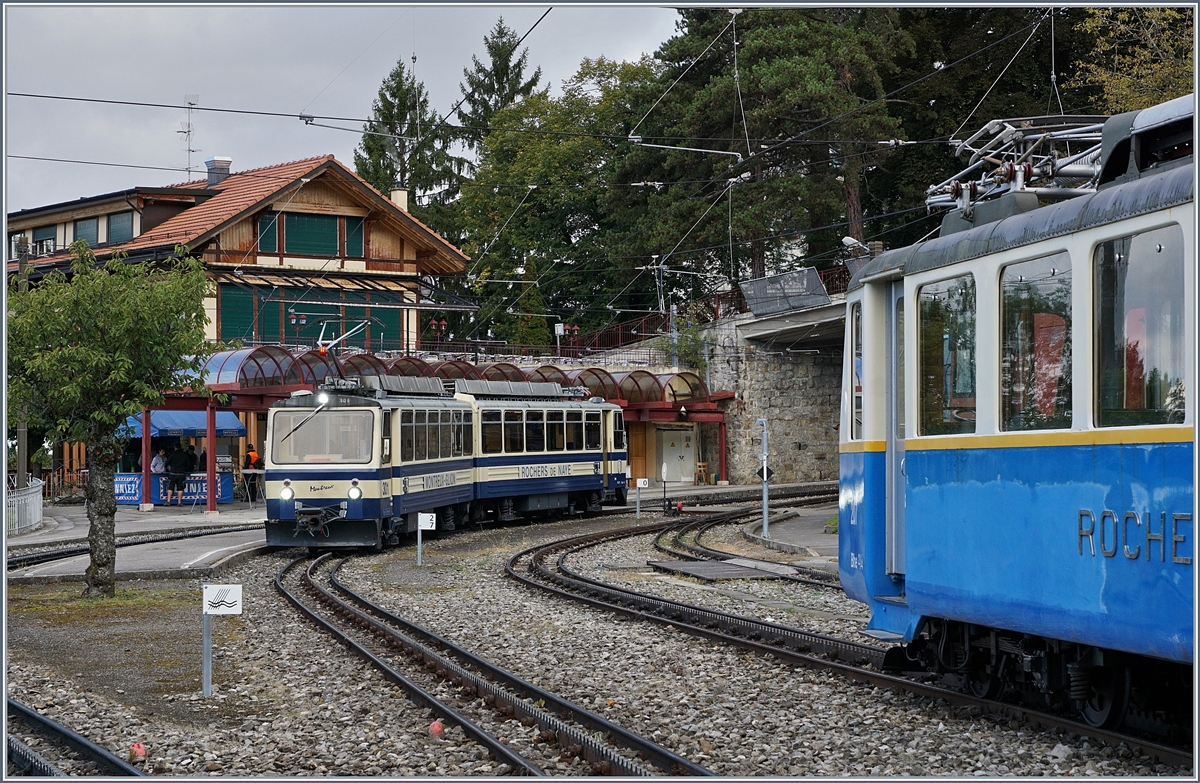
x=862 y=543
x=1053 y=541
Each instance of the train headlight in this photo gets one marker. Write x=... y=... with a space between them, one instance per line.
x=355 y=492
x=286 y=494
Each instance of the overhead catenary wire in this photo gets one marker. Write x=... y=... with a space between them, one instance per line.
x=685 y=70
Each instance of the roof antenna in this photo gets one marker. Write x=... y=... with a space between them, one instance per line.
x=191 y=99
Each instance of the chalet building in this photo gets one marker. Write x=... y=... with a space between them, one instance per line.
x=292 y=248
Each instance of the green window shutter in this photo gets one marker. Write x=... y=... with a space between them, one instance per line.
x=43 y=233
x=237 y=314
x=270 y=316
x=88 y=229
x=385 y=329
x=354 y=237
x=120 y=227
x=268 y=233
x=310 y=235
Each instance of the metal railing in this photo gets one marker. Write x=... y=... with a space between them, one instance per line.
x=23 y=508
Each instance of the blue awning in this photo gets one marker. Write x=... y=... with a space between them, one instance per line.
x=190 y=423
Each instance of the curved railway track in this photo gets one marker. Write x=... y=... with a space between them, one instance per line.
x=485 y=691
x=683 y=542
x=28 y=761
x=546 y=568
x=17 y=561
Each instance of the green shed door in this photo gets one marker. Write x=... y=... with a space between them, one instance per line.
x=237 y=314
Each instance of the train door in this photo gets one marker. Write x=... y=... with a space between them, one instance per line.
x=894 y=443
x=606 y=426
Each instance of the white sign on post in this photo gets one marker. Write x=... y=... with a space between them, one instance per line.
x=222 y=599
x=641 y=483
x=426 y=521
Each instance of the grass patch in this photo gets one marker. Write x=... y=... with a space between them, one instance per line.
x=68 y=600
x=831 y=524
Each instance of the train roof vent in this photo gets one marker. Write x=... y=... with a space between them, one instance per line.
x=1150 y=140
x=522 y=389
x=401 y=384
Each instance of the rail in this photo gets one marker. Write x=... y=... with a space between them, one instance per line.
x=23 y=508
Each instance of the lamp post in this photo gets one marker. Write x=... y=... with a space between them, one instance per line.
x=298 y=321
x=438 y=328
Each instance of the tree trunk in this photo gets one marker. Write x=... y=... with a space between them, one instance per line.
x=852 y=173
x=101 y=574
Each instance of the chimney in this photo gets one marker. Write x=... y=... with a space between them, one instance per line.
x=218 y=169
x=400 y=198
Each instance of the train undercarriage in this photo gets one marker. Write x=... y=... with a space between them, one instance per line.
x=1104 y=688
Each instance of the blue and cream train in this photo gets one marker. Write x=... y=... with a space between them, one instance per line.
x=353 y=464
x=1017 y=498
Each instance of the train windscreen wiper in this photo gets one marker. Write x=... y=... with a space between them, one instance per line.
x=307 y=419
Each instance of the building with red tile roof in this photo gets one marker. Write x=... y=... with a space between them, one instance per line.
x=292 y=249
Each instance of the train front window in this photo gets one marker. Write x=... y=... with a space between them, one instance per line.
x=491 y=432
x=1035 y=344
x=535 y=431
x=340 y=437
x=1141 y=345
x=947 y=356
x=618 y=432
x=556 y=436
x=514 y=432
x=591 y=429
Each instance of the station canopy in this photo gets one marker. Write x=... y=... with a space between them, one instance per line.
x=193 y=424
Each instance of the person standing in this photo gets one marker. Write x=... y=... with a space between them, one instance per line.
x=178 y=465
x=252 y=462
x=193 y=459
x=159 y=465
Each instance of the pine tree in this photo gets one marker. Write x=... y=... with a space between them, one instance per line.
x=490 y=88
x=404 y=144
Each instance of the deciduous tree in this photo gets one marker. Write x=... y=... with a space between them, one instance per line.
x=88 y=349
x=1140 y=56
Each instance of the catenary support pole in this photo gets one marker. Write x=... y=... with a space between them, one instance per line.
x=766 y=532
x=206 y=683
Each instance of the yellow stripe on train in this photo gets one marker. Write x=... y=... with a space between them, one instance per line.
x=1131 y=436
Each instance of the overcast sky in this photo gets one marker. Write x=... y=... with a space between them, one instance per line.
x=320 y=60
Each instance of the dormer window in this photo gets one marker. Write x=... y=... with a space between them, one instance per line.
x=88 y=229
x=120 y=227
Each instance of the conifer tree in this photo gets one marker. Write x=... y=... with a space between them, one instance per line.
x=492 y=87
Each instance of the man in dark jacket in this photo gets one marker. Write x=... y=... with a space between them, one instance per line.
x=178 y=466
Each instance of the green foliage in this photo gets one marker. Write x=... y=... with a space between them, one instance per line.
x=404 y=145
x=495 y=86
x=689 y=346
x=89 y=349
x=1139 y=56
x=559 y=231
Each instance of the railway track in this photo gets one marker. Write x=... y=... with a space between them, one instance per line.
x=545 y=567
x=24 y=760
x=485 y=698
x=683 y=542
x=27 y=559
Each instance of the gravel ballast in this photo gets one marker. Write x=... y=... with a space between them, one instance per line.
x=288 y=701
